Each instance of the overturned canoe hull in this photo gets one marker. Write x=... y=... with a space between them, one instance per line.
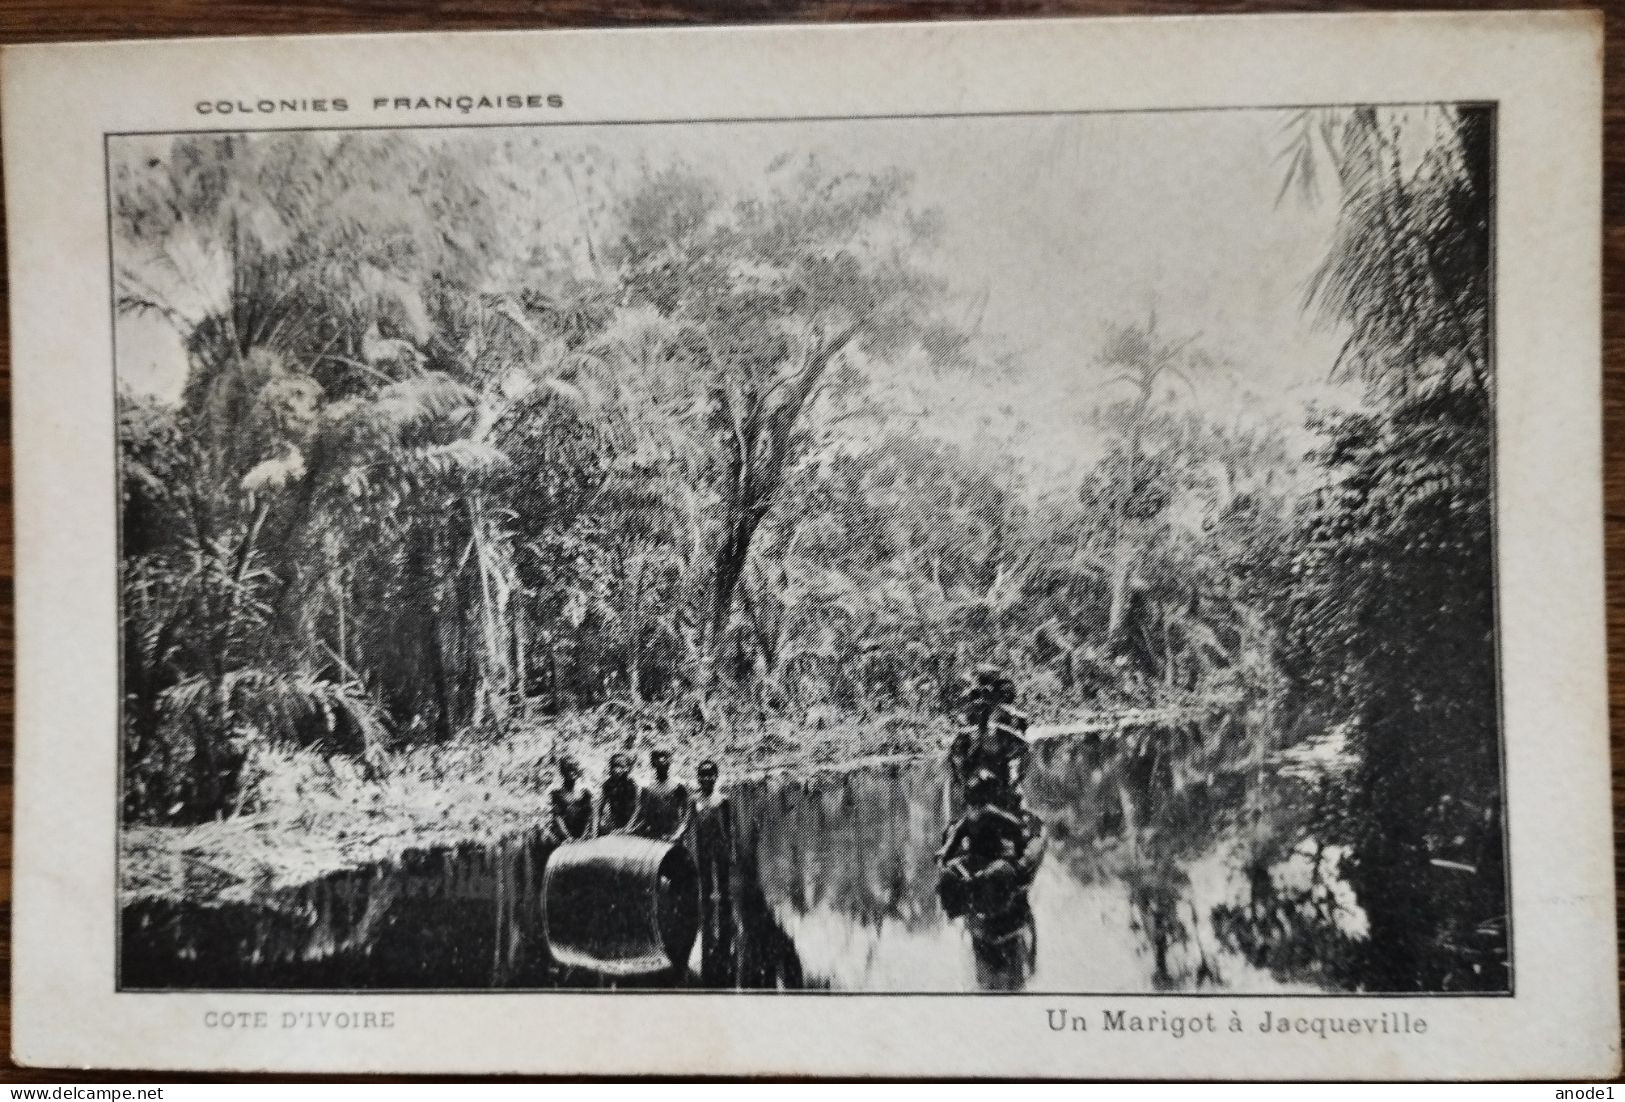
x=620 y=905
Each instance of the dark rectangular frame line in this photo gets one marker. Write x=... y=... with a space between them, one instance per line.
x=1493 y=106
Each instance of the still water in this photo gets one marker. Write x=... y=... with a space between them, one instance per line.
x=1177 y=860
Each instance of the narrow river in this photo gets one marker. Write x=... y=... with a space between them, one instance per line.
x=1178 y=860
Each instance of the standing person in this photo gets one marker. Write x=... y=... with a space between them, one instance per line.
x=569 y=808
x=713 y=840
x=618 y=810
x=971 y=711
x=666 y=805
x=713 y=836
x=992 y=733
x=1008 y=725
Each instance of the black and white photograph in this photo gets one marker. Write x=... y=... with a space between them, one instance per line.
x=1045 y=552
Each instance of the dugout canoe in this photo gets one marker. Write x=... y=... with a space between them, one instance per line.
x=620 y=905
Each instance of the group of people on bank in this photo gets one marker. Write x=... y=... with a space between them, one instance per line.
x=661 y=808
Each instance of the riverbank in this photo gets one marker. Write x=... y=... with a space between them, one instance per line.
x=307 y=814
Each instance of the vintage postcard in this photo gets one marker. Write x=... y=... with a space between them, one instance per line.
x=1048 y=548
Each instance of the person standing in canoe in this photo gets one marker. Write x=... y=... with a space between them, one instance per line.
x=619 y=810
x=570 y=816
x=666 y=806
x=991 y=735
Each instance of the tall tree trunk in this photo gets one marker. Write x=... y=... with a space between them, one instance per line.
x=439 y=687
x=728 y=567
x=1123 y=552
x=1114 y=614
x=761 y=451
x=1167 y=649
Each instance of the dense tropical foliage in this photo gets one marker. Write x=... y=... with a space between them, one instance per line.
x=1391 y=612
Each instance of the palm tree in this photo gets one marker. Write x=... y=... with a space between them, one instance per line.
x=326 y=404
x=1145 y=362
x=1408 y=267
x=1393 y=606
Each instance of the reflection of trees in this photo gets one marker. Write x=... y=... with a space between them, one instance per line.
x=1005 y=957
x=1137 y=807
x=1437 y=901
x=1176 y=800
x=1160 y=906
x=1290 y=920
x=749 y=948
x=860 y=843
x=463 y=916
x=1167 y=791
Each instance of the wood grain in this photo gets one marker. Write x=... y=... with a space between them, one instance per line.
x=65 y=20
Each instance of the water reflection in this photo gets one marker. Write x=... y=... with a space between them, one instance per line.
x=1005 y=958
x=1177 y=860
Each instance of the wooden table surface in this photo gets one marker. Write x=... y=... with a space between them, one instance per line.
x=87 y=20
